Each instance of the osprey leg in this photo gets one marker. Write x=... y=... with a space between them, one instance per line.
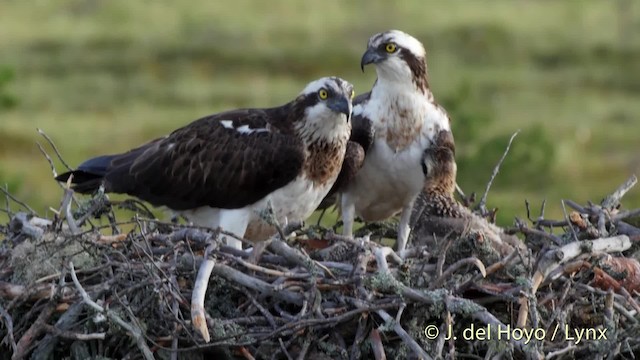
x=348 y=209
x=234 y=221
x=403 y=227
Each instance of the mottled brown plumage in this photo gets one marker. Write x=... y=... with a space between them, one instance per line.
x=437 y=214
x=324 y=162
x=227 y=158
x=439 y=166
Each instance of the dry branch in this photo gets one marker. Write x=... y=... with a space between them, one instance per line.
x=482 y=205
x=135 y=332
x=199 y=292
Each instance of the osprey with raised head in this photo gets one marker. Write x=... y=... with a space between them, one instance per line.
x=226 y=169
x=405 y=118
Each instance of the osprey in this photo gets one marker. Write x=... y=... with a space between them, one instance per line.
x=405 y=118
x=438 y=215
x=226 y=170
x=440 y=169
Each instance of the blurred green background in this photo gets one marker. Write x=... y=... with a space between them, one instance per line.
x=103 y=76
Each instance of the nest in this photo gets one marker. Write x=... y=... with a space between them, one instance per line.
x=68 y=290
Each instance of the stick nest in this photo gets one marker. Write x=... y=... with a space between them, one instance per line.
x=70 y=288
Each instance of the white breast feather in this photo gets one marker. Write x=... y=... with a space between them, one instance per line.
x=294 y=202
x=391 y=178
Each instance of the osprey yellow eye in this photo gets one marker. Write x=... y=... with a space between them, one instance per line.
x=323 y=94
x=390 y=47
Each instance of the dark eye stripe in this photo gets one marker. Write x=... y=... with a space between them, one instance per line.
x=340 y=87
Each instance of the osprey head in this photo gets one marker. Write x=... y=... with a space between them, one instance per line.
x=397 y=56
x=323 y=109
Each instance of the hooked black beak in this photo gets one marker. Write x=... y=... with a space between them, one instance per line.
x=340 y=105
x=370 y=56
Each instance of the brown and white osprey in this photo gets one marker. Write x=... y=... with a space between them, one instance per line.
x=225 y=169
x=437 y=214
x=405 y=118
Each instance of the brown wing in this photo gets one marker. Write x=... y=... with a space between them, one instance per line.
x=360 y=141
x=208 y=162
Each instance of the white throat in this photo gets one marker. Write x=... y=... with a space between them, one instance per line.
x=324 y=126
x=395 y=72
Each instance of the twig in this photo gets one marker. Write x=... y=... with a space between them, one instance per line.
x=524 y=229
x=608 y=306
x=560 y=352
x=305 y=348
x=21 y=223
x=447 y=324
x=479 y=313
x=575 y=206
x=629 y=315
x=284 y=350
x=629 y=230
x=361 y=334
x=376 y=345
x=556 y=257
x=6 y=192
x=136 y=333
x=295 y=256
x=542 y=207
x=9 y=291
x=247 y=355
x=35 y=330
x=8 y=323
x=48 y=158
x=566 y=218
x=46 y=346
x=443 y=256
x=243 y=279
x=362 y=307
x=406 y=338
x=55 y=149
x=65 y=207
x=268 y=271
x=489 y=270
x=482 y=205
x=73 y=336
x=7 y=201
x=38 y=326
x=175 y=306
x=382 y=253
x=457 y=265
x=383 y=267
x=625 y=214
x=613 y=200
x=630 y=299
